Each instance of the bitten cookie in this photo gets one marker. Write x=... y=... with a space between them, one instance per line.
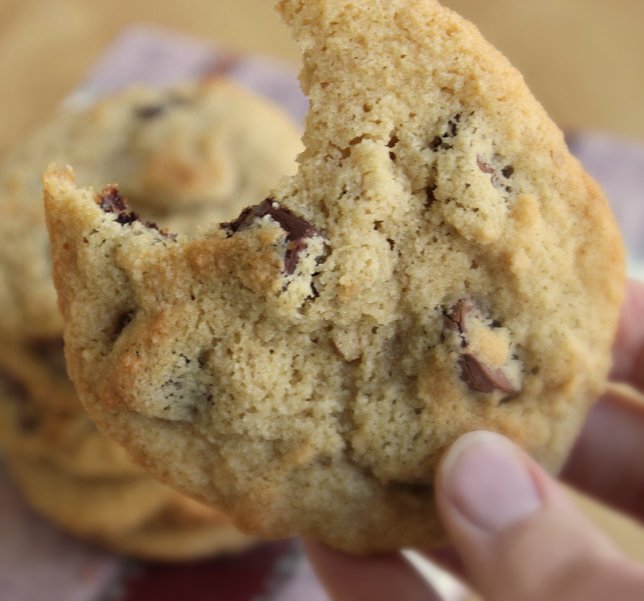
x=440 y=263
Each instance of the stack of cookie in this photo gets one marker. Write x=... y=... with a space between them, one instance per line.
x=186 y=158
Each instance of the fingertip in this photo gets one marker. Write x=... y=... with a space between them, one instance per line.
x=486 y=482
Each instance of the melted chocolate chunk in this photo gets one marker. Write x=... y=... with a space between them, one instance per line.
x=478 y=376
x=455 y=318
x=111 y=201
x=481 y=378
x=298 y=230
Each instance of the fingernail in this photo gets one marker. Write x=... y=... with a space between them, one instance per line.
x=485 y=479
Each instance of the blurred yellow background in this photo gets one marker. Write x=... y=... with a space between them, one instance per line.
x=582 y=58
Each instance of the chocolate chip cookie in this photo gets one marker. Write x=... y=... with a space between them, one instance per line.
x=440 y=263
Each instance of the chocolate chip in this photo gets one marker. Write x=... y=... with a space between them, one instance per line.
x=150 y=111
x=478 y=376
x=481 y=378
x=452 y=131
x=455 y=318
x=298 y=230
x=111 y=201
x=436 y=143
x=127 y=217
x=507 y=171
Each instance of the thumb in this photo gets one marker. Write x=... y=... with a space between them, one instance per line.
x=520 y=537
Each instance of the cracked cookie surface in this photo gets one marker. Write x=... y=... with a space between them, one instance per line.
x=440 y=263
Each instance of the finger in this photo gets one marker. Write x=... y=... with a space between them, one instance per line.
x=629 y=344
x=520 y=537
x=606 y=459
x=376 y=578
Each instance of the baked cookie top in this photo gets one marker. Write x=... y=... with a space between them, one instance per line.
x=183 y=155
x=440 y=263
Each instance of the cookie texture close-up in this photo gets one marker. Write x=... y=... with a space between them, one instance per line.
x=440 y=263
x=187 y=155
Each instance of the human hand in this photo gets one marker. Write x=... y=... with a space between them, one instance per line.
x=517 y=535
